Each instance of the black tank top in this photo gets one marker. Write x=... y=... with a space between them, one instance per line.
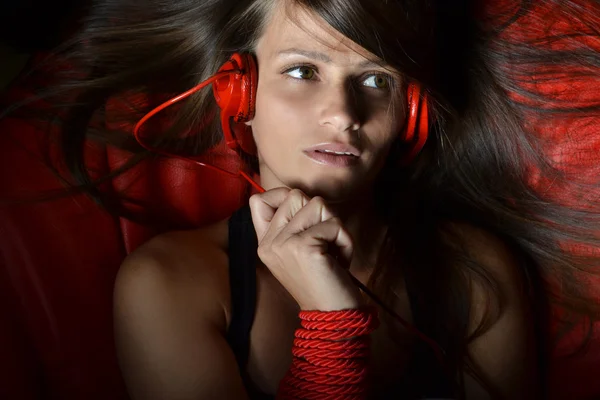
x=242 y=279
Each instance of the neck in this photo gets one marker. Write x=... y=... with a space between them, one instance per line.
x=367 y=229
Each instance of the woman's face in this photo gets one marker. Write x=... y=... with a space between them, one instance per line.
x=318 y=94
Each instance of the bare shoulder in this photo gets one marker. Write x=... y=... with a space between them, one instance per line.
x=170 y=318
x=191 y=264
x=491 y=253
x=501 y=327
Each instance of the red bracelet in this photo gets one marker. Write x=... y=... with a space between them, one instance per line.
x=331 y=356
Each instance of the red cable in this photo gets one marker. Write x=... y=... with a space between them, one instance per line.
x=439 y=352
x=145 y=118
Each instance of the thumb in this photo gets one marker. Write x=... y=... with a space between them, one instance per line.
x=263 y=207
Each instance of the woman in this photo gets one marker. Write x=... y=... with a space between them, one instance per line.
x=456 y=242
x=181 y=328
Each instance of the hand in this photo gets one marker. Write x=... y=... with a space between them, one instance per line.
x=297 y=240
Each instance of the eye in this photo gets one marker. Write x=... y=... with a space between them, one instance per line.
x=303 y=72
x=377 y=81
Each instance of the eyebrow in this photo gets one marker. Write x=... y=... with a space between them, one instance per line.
x=318 y=56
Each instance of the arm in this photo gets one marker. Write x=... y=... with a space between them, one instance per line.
x=169 y=330
x=505 y=354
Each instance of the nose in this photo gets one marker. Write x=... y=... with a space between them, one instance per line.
x=339 y=109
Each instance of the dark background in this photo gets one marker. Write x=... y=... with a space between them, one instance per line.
x=27 y=26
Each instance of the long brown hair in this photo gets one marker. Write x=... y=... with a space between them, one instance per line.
x=476 y=167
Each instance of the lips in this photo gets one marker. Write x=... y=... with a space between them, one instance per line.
x=334 y=154
x=335 y=148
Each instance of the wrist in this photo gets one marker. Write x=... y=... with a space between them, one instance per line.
x=350 y=302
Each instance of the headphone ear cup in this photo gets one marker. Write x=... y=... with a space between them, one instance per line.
x=413 y=112
x=247 y=106
x=422 y=130
x=235 y=94
x=248 y=88
x=417 y=123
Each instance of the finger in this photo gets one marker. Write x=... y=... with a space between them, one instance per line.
x=313 y=213
x=263 y=207
x=332 y=232
x=294 y=202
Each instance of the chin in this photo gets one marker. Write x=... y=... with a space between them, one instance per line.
x=331 y=190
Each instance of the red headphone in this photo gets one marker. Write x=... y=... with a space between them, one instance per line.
x=234 y=89
x=235 y=94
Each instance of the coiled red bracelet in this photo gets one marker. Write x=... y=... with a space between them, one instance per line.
x=331 y=356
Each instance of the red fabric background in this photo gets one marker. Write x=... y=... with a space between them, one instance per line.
x=58 y=259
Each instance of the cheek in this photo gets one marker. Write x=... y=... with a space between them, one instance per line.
x=283 y=113
x=388 y=124
x=286 y=99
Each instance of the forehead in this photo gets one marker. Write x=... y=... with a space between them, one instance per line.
x=291 y=28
